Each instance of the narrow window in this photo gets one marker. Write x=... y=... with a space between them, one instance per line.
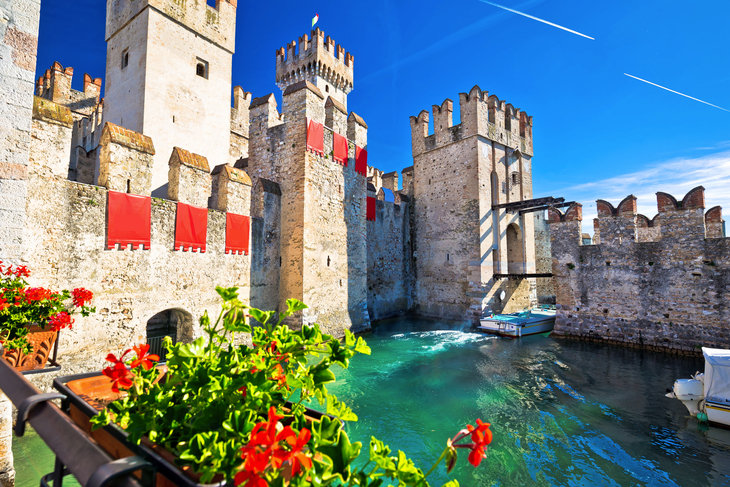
x=328 y=261
x=174 y=119
x=125 y=58
x=327 y=88
x=129 y=186
x=279 y=261
x=201 y=68
x=515 y=178
x=429 y=182
x=447 y=257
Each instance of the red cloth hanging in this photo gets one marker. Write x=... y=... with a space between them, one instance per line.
x=361 y=161
x=315 y=137
x=191 y=228
x=340 y=149
x=129 y=220
x=370 y=214
x=238 y=231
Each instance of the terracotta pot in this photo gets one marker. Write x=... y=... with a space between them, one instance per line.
x=42 y=342
x=89 y=393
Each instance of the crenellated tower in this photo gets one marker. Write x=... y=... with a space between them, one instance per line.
x=168 y=75
x=318 y=60
x=461 y=175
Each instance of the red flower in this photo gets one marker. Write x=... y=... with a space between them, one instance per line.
x=296 y=456
x=37 y=294
x=280 y=376
x=22 y=271
x=60 y=321
x=81 y=296
x=481 y=436
x=119 y=375
x=249 y=479
x=143 y=358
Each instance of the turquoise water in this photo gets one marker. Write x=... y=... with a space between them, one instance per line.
x=562 y=412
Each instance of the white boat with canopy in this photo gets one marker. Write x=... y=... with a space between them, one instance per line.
x=707 y=396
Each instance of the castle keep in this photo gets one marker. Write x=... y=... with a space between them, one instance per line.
x=166 y=188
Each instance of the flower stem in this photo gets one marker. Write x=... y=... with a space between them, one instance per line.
x=443 y=454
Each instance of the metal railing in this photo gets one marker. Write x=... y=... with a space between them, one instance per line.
x=157 y=348
x=76 y=453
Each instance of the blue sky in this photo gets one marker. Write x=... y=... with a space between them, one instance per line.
x=597 y=133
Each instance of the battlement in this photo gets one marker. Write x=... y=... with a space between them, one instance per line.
x=319 y=61
x=55 y=85
x=217 y=24
x=683 y=219
x=481 y=114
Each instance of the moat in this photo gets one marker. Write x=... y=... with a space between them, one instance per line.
x=563 y=412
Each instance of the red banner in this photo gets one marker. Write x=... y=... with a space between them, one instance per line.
x=370 y=213
x=340 y=149
x=361 y=161
x=129 y=220
x=315 y=137
x=238 y=232
x=191 y=228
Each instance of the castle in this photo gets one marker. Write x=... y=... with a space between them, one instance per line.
x=157 y=193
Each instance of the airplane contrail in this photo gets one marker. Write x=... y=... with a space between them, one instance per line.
x=678 y=93
x=538 y=19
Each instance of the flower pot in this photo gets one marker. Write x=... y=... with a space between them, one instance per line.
x=42 y=341
x=87 y=394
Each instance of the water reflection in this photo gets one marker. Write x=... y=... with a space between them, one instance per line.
x=563 y=412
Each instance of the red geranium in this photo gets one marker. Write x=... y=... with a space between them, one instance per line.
x=60 y=321
x=81 y=296
x=143 y=358
x=118 y=373
x=481 y=436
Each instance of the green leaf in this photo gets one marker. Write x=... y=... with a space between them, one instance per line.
x=192 y=350
x=323 y=376
x=261 y=316
x=349 y=338
x=227 y=293
x=451 y=483
x=362 y=347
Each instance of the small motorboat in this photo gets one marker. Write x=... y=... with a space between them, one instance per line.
x=707 y=396
x=515 y=325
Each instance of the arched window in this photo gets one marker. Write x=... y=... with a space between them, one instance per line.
x=174 y=323
x=201 y=68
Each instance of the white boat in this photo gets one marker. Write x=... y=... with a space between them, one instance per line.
x=707 y=396
x=534 y=321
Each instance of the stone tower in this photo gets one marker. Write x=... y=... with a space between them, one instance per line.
x=461 y=172
x=318 y=61
x=168 y=75
x=323 y=226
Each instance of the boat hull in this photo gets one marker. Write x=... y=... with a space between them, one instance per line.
x=516 y=329
x=718 y=413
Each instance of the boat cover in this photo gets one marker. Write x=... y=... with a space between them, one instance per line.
x=717 y=374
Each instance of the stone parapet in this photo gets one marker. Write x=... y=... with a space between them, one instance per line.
x=189 y=178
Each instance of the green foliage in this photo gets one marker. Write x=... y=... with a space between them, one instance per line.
x=216 y=390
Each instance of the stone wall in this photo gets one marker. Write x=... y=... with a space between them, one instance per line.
x=66 y=247
x=543 y=260
x=391 y=279
x=671 y=293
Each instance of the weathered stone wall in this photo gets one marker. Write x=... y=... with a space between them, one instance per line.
x=543 y=260
x=666 y=294
x=460 y=173
x=18 y=46
x=390 y=261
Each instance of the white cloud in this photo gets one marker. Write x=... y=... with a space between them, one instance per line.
x=675 y=176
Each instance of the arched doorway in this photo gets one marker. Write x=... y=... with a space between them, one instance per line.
x=515 y=254
x=174 y=323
